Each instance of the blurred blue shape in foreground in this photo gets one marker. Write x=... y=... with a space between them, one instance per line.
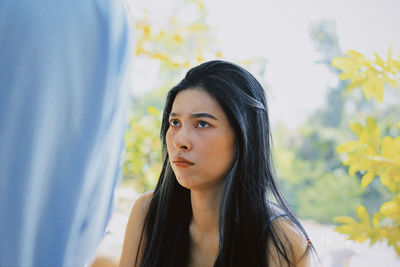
x=62 y=120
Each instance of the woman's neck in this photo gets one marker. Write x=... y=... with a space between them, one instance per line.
x=205 y=210
x=204 y=228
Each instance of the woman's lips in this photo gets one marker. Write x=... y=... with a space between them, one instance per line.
x=182 y=162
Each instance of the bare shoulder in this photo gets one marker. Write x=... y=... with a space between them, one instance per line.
x=295 y=243
x=134 y=229
x=140 y=207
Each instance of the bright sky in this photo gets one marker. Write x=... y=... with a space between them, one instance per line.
x=278 y=31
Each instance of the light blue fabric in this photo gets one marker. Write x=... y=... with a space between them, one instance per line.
x=62 y=119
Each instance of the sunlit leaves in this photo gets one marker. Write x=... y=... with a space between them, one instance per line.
x=375 y=157
x=367 y=179
x=179 y=44
x=370 y=74
x=384 y=225
x=371 y=155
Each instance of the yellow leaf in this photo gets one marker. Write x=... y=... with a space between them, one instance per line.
x=344 y=229
x=354 y=84
x=390 y=208
x=357 y=128
x=396 y=65
x=345 y=64
x=146 y=30
x=196 y=27
x=361 y=238
x=354 y=54
x=373 y=239
x=200 y=4
x=153 y=111
x=368 y=88
x=376 y=219
x=348 y=146
x=397 y=248
x=390 y=59
x=373 y=133
x=378 y=88
x=362 y=213
x=337 y=62
x=367 y=179
x=177 y=38
x=379 y=61
x=391 y=147
x=387 y=180
x=346 y=75
x=344 y=219
x=353 y=169
x=359 y=77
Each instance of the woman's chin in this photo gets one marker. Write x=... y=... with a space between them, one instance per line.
x=187 y=182
x=194 y=184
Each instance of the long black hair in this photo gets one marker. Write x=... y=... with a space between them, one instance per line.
x=245 y=210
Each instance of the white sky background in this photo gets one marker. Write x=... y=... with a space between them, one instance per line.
x=278 y=31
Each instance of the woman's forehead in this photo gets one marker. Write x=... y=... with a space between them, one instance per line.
x=196 y=100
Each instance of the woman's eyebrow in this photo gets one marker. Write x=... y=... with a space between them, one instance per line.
x=199 y=115
x=196 y=115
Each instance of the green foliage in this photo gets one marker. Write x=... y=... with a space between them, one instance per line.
x=312 y=178
x=312 y=175
x=372 y=155
x=143 y=150
x=329 y=196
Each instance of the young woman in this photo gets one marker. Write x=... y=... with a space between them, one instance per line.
x=216 y=202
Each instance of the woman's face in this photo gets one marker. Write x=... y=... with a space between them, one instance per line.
x=200 y=140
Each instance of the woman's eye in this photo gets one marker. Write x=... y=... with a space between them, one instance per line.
x=203 y=124
x=174 y=123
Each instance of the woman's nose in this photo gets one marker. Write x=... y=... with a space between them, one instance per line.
x=182 y=140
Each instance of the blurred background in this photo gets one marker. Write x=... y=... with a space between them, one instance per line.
x=336 y=150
